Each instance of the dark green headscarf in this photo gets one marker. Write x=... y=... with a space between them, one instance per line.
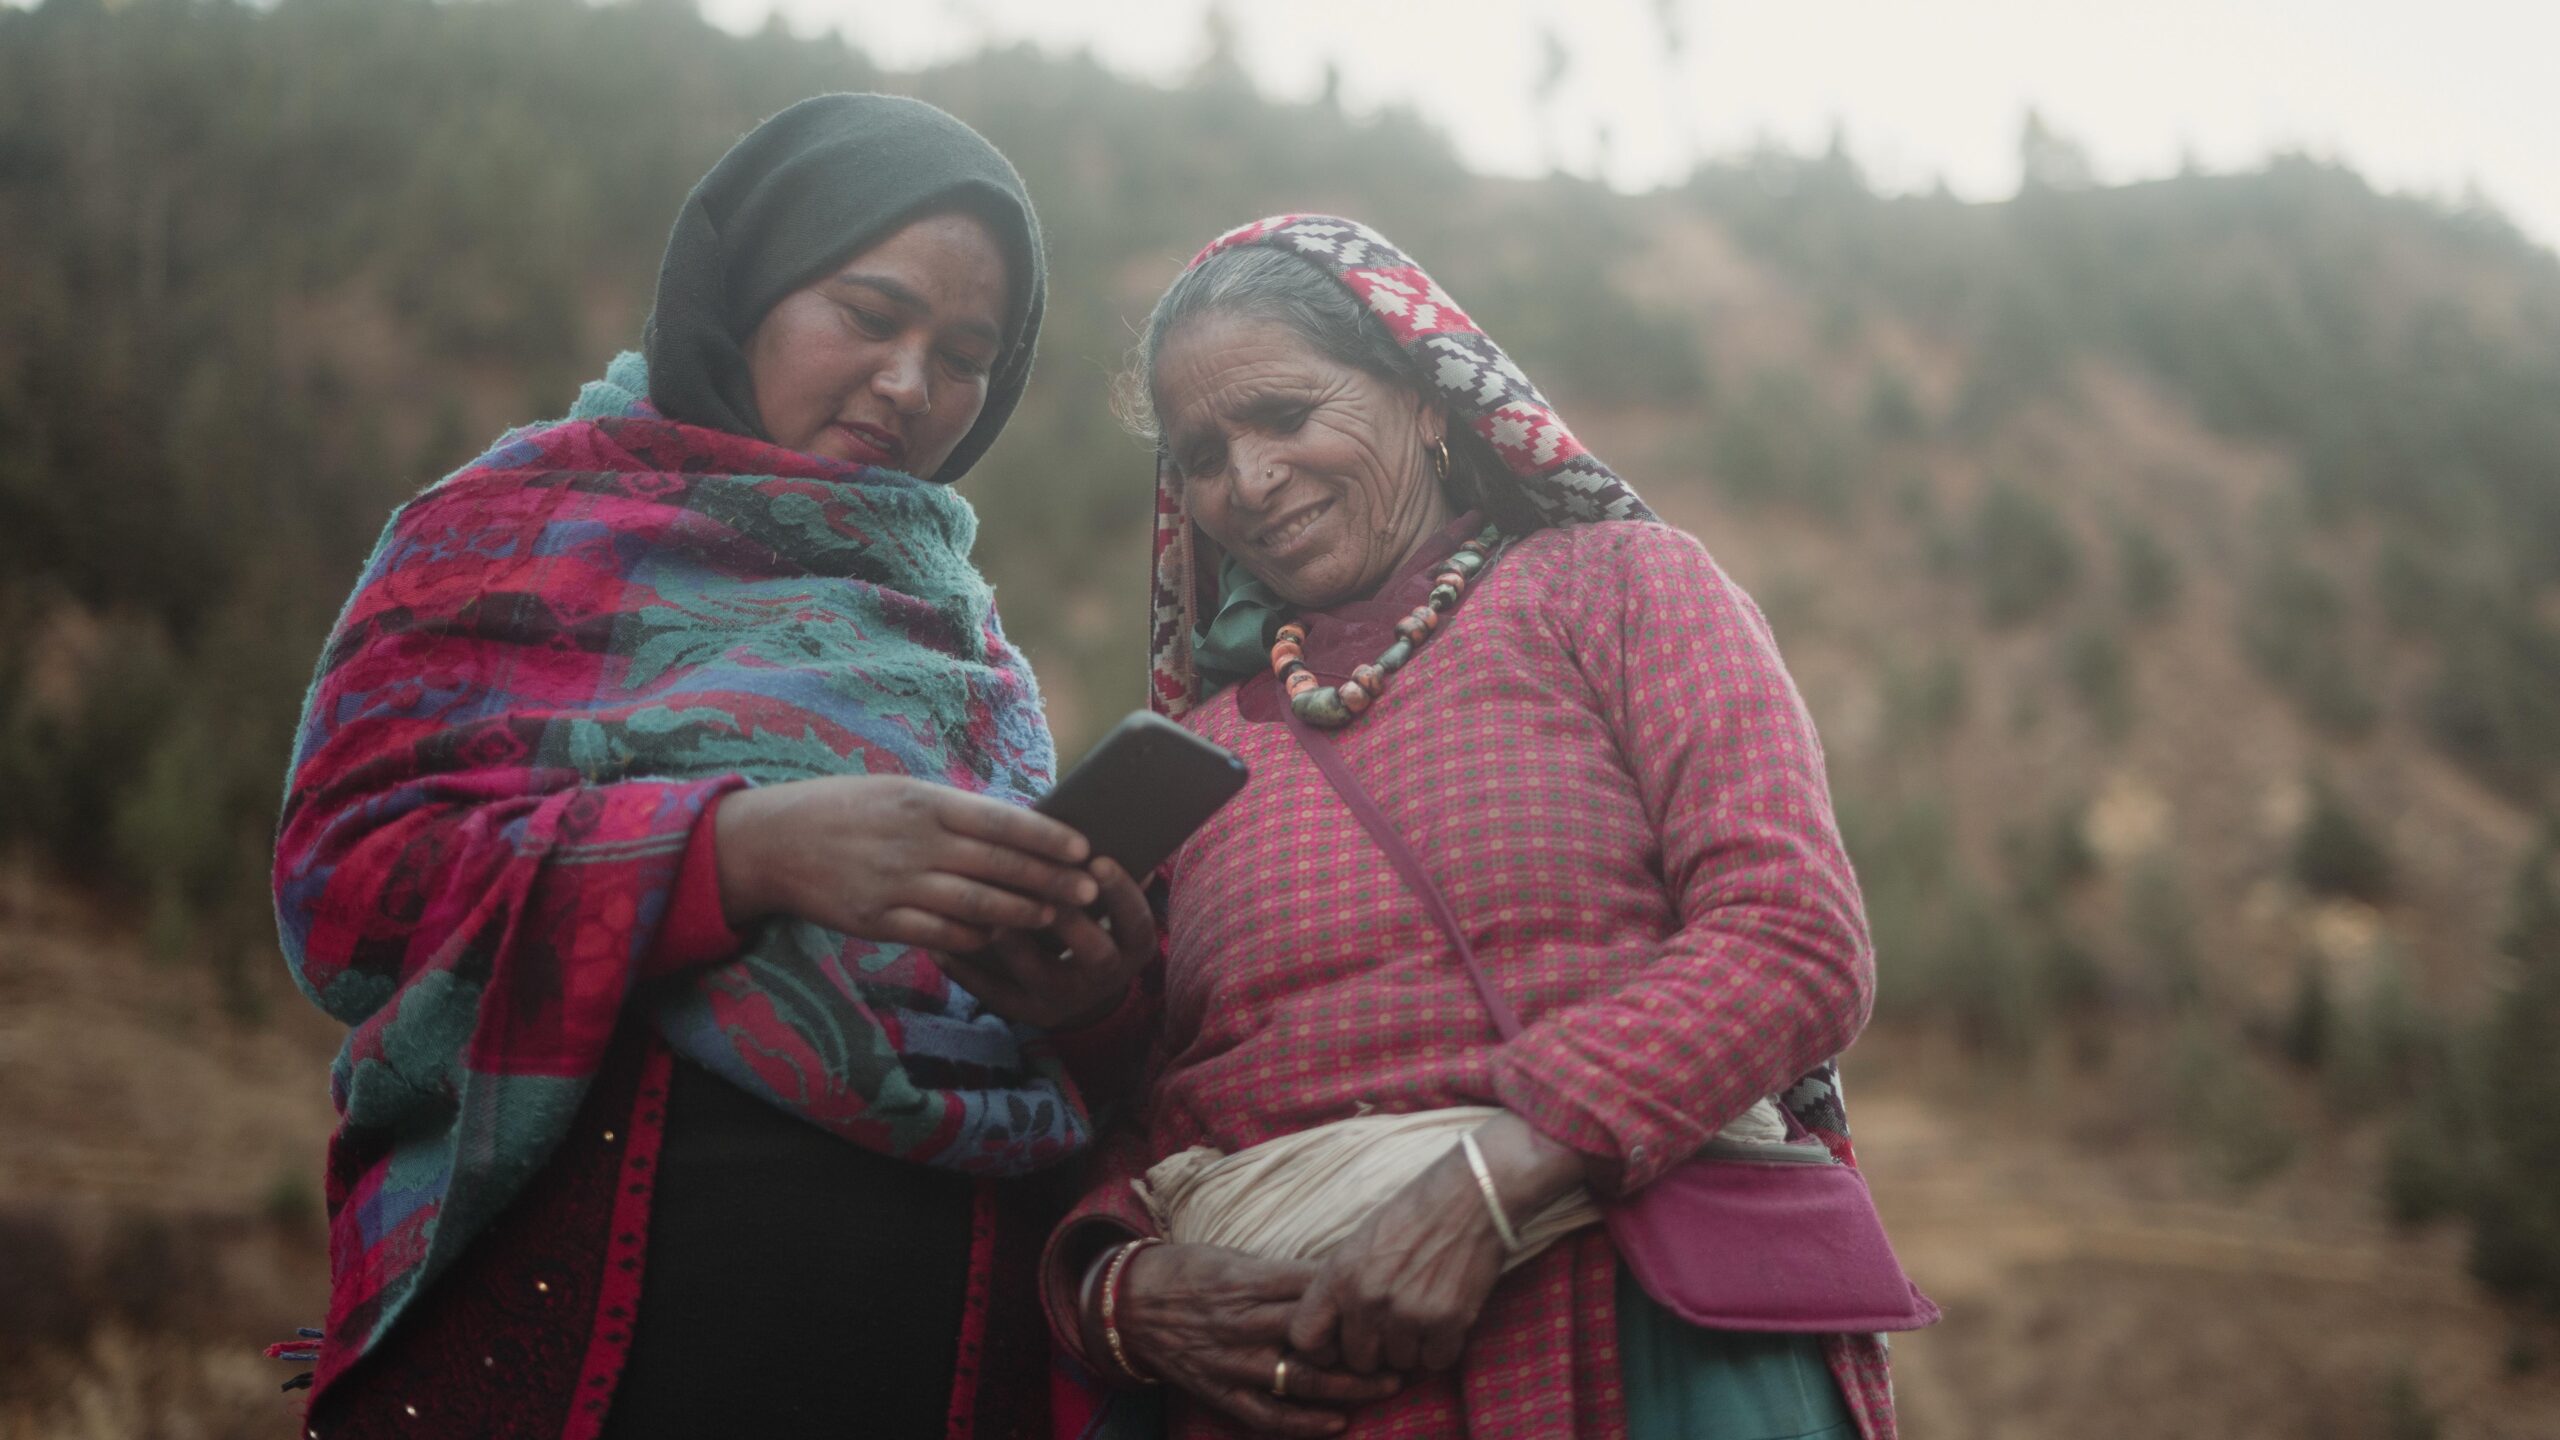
x=801 y=194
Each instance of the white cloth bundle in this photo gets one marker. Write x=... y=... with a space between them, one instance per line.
x=1296 y=1197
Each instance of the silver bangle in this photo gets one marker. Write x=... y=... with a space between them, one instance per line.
x=1492 y=1201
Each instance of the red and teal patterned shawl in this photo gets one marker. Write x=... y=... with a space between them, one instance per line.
x=556 y=659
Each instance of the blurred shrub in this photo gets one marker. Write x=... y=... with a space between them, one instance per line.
x=1948 y=951
x=2382 y=1044
x=45 y=1305
x=64 y=760
x=2048 y=860
x=1893 y=412
x=2094 y=665
x=1926 y=704
x=2022 y=558
x=1782 y=443
x=1990 y=982
x=2410 y=585
x=2294 y=627
x=2515 y=1208
x=2146 y=575
x=1595 y=343
x=2427 y=1171
x=2022 y=354
x=2224 y=1106
x=292 y=1201
x=2406 y=1412
x=2160 y=922
x=2495 y=702
x=2311 y=1016
x=1903 y=853
x=144 y=1273
x=2334 y=853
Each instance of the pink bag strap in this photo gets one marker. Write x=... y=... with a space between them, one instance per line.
x=1348 y=786
x=1337 y=772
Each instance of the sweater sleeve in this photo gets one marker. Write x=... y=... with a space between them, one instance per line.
x=697 y=930
x=1109 y=1213
x=1770 y=971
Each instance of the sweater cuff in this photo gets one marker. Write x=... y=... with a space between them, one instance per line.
x=1562 y=1100
x=1071 y=1250
x=696 y=931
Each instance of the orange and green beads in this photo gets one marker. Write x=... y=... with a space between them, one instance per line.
x=1333 y=706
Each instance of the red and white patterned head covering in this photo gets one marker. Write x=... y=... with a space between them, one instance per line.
x=1469 y=374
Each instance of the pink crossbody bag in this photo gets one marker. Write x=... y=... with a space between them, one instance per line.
x=1768 y=1237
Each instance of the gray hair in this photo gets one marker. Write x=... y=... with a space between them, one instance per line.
x=1257 y=282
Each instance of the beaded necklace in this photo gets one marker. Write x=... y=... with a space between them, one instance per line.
x=1334 y=706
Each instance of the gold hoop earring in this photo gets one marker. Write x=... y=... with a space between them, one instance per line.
x=1440 y=458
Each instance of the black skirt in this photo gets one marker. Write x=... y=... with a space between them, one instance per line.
x=797 y=1285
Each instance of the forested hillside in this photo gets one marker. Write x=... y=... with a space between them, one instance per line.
x=2174 y=568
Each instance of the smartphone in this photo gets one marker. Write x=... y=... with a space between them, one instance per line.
x=1143 y=790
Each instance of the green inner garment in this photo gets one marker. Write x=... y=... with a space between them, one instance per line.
x=1688 y=1383
x=1236 y=642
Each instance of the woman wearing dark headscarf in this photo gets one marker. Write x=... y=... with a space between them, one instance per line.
x=662 y=764
x=1365 y=1188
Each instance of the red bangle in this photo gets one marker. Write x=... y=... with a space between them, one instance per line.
x=1111 y=1307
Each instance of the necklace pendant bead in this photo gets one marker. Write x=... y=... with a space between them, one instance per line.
x=1320 y=706
x=1354 y=696
x=1444 y=596
x=1372 y=677
x=1395 y=655
x=1301 y=683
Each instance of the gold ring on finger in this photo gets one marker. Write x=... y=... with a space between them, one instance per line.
x=1280 y=1378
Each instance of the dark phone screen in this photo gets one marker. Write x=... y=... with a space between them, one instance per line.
x=1144 y=789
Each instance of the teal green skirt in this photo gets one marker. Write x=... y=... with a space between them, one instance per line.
x=1687 y=1383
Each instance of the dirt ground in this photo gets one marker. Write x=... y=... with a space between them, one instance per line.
x=2099 y=1288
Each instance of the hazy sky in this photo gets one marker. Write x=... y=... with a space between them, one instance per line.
x=2432 y=97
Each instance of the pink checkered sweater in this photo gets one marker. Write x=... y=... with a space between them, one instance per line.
x=1604 y=763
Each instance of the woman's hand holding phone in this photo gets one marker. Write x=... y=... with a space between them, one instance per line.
x=1072 y=972
x=897 y=860
x=1002 y=896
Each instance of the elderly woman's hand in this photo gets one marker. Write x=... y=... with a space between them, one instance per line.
x=1212 y=1322
x=897 y=860
x=1402 y=1291
x=1072 y=973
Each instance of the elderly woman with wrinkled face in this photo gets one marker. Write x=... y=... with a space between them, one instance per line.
x=657 y=827
x=1350 y=1205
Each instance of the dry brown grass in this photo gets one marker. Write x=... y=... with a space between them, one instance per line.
x=159 y=1165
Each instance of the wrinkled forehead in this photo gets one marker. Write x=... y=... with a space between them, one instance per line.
x=1221 y=363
